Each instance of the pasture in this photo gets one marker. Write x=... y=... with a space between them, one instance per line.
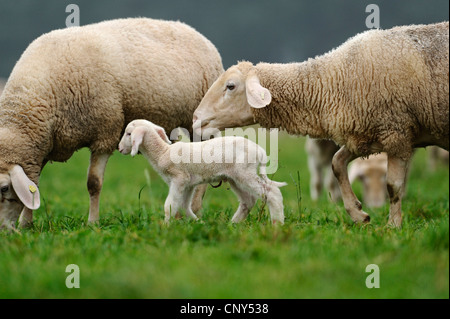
x=318 y=253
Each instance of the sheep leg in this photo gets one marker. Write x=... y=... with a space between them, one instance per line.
x=396 y=177
x=196 y=204
x=315 y=184
x=268 y=193
x=246 y=202
x=95 y=182
x=332 y=185
x=351 y=203
x=178 y=198
x=187 y=200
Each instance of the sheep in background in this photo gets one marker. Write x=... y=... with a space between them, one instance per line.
x=234 y=159
x=436 y=157
x=320 y=153
x=370 y=171
x=80 y=86
x=380 y=91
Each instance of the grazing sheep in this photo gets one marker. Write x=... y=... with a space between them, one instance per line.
x=371 y=172
x=79 y=87
x=382 y=90
x=183 y=166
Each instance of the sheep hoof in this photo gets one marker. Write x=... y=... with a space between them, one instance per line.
x=362 y=218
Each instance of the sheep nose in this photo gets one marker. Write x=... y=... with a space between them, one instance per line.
x=195 y=118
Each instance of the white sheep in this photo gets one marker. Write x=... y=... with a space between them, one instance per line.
x=79 y=87
x=382 y=90
x=183 y=166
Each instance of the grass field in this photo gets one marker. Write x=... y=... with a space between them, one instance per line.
x=318 y=253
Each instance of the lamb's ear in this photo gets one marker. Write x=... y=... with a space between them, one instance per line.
x=162 y=133
x=26 y=190
x=136 y=139
x=257 y=95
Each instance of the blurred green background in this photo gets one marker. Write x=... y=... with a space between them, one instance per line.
x=255 y=30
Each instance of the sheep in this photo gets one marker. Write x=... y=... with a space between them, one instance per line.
x=78 y=87
x=320 y=153
x=382 y=90
x=437 y=156
x=183 y=166
x=370 y=171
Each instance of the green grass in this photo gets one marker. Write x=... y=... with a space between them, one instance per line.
x=318 y=253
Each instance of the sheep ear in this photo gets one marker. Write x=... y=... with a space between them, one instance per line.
x=136 y=139
x=26 y=190
x=257 y=95
x=162 y=133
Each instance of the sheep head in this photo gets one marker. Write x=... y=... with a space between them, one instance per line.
x=229 y=100
x=16 y=191
x=134 y=135
x=372 y=174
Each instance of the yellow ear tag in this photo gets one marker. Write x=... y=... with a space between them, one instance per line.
x=262 y=95
x=32 y=188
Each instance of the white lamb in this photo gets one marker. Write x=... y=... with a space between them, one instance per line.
x=183 y=166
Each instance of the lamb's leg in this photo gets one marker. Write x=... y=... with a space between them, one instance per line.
x=271 y=194
x=196 y=204
x=351 y=203
x=396 y=177
x=246 y=202
x=315 y=183
x=95 y=182
x=187 y=202
x=177 y=198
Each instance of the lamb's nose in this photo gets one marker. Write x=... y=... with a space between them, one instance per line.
x=195 y=118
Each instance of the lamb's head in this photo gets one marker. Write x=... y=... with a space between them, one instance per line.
x=229 y=100
x=134 y=136
x=16 y=191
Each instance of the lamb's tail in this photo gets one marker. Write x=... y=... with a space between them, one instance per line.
x=262 y=158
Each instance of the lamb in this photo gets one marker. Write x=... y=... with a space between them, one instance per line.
x=183 y=166
x=382 y=90
x=79 y=87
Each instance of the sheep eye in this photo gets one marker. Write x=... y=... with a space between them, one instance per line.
x=128 y=134
x=4 y=189
x=231 y=86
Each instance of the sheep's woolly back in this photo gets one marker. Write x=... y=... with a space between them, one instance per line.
x=381 y=90
x=79 y=87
